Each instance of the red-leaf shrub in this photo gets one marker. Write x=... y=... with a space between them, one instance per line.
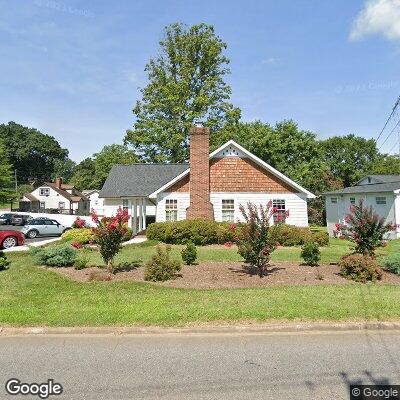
x=109 y=234
x=360 y=268
x=77 y=245
x=79 y=223
x=255 y=244
x=365 y=228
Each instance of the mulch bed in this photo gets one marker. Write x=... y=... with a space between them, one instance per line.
x=217 y=275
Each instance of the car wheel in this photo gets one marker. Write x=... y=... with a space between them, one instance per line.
x=9 y=242
x=32 y=234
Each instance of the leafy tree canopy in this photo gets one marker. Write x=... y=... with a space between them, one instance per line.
x=6 y=180
x=186 y=83
x=32 y=153
x=386 y=165
x=349 y=157
x=92 y=172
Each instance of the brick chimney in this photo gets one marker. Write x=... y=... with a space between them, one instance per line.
x=200 y=205
x=58 y=182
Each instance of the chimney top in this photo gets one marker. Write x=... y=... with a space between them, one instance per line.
x=58 y=182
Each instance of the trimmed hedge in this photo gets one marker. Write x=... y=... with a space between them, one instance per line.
x=79 y=235
x=200 y=232
x=203 y=232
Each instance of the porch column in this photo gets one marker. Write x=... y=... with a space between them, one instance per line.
x=134 y=206
x=144 y=214
x=140 y=214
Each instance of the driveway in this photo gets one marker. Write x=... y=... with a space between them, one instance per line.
x=313 y=366
x=27 y=241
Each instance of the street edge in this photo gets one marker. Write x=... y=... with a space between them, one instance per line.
x=205 y=329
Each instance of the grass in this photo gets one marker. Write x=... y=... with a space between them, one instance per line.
x=33 y=296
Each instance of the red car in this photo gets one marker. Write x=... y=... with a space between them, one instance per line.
x=10 y=239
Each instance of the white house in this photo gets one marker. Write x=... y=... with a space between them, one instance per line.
x=212 y=186
x=51 y=197
x=382 y=192
x=96 y=202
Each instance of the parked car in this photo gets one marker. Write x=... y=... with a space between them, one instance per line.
x=43 y=227
x=5 y=219
x=20 y=219
x=10 y=239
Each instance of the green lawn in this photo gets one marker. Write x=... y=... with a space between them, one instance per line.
x=32 y=296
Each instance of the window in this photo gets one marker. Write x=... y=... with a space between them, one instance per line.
x=280 y=215
x=125 y=204
x=171 y=210
x=380 y=200
x=334 y=200
x=228 y=210
x=44 y=192
x=61 y=205
x=352 y=200
x=96 y=202
x=42 y=205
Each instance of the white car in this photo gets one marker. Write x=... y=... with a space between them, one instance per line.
x=43 y=227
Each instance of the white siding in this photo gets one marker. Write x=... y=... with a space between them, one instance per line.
x=335 y=213
x=52 y=200
x=295 y=203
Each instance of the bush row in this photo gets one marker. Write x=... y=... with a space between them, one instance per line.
x=202 y=232
x=86 y=235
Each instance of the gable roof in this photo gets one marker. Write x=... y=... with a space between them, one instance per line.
x=139 y=180
x=370 y=188
x=381 y=178
x=75 y=196
x=30 y=197
x=257 y=160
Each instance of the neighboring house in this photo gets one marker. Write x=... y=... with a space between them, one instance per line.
x=96 y=203
x=382 y=192
x=212 y=186
x=55 y=197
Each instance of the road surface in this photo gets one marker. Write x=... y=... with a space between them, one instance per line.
x=27 y=241
x=203 y=366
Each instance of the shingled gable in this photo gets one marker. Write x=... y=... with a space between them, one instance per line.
x=252 y=157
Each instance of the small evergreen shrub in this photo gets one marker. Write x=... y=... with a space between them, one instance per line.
x=360 y=268
x=79 y=235
x=161 y=267
x=60 y=256
x=310 y=254
x=321 y=238
x=128 y=235
x=189 y=253
x=81 y=262
x=4 y=263
x=392 y=263
x=289 y=235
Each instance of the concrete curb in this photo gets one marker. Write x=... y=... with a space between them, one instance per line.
x=203 y=330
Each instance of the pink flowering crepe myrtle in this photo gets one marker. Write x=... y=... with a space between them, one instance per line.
x=364 y=228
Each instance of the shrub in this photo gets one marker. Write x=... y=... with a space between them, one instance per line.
x=360 y=268
x=79 y=223
x=80 y=235
x=4 y=263
x=392 y=263
x=161 y=267
x=128 y=235
x=255 y=244
x=98 y=275
x=321 y=238
x=60 y=256
x=81 y=262
x=189 y=253
x=200 y=232
x=310 y=254
x=289 y=235
x=365 y=228
x=109 y=234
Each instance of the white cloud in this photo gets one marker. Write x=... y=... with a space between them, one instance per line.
x=270 y=60
x=378 y=17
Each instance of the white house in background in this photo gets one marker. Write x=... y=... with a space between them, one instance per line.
x=212 y=186
x=55 y=197
x=382 y=192
x=96 y=202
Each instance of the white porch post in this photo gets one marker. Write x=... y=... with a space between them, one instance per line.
x=134 y=206
x=144 y=213
x=140 y=215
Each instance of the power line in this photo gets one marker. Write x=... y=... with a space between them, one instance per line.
x=396 y=104
x=390 y=134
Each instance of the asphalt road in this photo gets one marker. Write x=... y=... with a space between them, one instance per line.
x=250 y=366
x=18 y=228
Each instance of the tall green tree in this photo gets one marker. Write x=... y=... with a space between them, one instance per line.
x=32 y=153
x=92 y=172
x=349 y=157
x=386 y=165
x=6 y=179
x=186 y=83
x=64 y=169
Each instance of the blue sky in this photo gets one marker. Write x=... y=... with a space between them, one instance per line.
x=73 y=69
